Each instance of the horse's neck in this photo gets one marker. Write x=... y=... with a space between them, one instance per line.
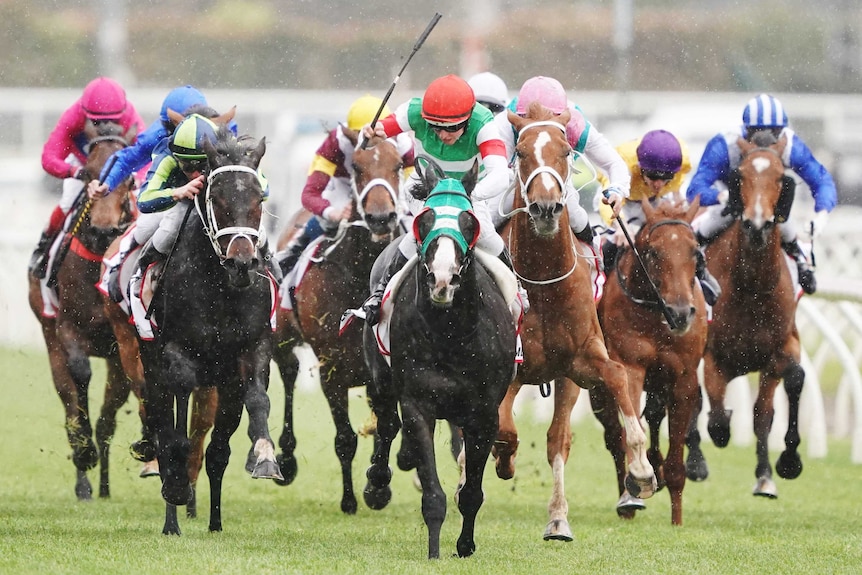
x=537 y=257
x=460 y=317
x=757 y=267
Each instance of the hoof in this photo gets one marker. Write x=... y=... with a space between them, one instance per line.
x=465 y=547
x=696 y=468
x=267 y=470
x=288 y=468
x=557 y=530
x=789 y=465
x=250 y=461
x=718 y=427
x=643 y=488
x=83 y=489
x=628 y=504
x=177 y=496
x=349 y=505
x=85 y=457
x=143 y=450
x=150 y=468
x=766 y=487
x=504 y=457
x=377 y=497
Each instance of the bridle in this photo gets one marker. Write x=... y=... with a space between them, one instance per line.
x=213 y=231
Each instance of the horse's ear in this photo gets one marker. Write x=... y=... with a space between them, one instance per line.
x=212 y=154
x=131 y=133
x=516 y=120
x=258 y=151
x=352 y=135
x=744 y=145
x=175 y=117
x=564 y=117
x=649 y=210
x=226 y=117
x=782 y=143
x=692 y=209
x=470 y=178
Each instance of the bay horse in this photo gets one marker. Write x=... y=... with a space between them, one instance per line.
x=335 y=281
x=452 y=357
x=79 y=329
x=754 y=326
x=561 y=334
x=654 y=321
x=214 y=317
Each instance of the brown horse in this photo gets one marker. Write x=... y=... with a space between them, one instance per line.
x=753 y=326
x=338 y=280
x=654 y=321
x=80 y=330
x=561 y=333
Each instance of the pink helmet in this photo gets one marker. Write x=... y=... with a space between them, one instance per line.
x=546 y=90
x=103 y=99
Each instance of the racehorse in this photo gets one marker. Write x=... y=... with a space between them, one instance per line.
x=213 y=312
x=79 y=329
x=753 y=326
x=338 y=280
x=654 y=321
x=452 y=357
x=561 y=333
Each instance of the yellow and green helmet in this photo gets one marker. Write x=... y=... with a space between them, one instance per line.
x=187 y=141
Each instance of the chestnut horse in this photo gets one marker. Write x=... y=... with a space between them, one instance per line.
x=561 y=333
x=338 y=280
x=654 y=320
x=80 y=330
x=754 y=321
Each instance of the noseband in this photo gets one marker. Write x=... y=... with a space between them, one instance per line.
x=211 y=225
x=544 y=169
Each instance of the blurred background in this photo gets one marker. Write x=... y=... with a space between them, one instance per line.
x=293 y=67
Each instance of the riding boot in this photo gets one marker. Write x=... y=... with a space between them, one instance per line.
x=115 y=264
x=708 y=284
x=371 y=307
x=506 y=258
x=807 y=281
x=39 y=260
x=149 y=255
x=610 y=251
x=585 y=235
x=289 y=256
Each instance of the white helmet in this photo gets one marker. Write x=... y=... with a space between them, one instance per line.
x=490 y=91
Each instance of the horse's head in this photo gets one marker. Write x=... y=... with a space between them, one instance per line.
x=376 y=180
x=109 y=216
x=762 y=196
x=670 y=253
x=231 y=208
x=446 y=230
x=543 y=162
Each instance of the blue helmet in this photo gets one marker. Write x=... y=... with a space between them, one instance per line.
x=181 y=99
x=764 y=111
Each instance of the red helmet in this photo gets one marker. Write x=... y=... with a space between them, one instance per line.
x=448 y=100
x=103 y=99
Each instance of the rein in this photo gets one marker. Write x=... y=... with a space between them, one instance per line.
x=213 y=231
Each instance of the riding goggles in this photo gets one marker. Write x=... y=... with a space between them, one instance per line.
x=189 y=165
x=451 y=128
x=656 y=175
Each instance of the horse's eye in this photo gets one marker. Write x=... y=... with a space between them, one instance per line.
x=357 y=169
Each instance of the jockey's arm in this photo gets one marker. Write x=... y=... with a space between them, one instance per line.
x=714 y=166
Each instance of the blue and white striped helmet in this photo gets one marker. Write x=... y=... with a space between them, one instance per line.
x=764 y=111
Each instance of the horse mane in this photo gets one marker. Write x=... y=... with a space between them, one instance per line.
x=231 y=147
x=670 y=209
x=763 y=138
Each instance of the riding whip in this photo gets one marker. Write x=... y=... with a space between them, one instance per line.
x=63 y=250
x=664 y=310
x=416 y=47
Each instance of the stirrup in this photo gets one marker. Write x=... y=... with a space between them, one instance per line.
x=807 y=281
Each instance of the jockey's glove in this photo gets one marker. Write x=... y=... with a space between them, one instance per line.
x=818 y=224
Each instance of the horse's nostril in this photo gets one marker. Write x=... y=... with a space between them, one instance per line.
x=558 y=209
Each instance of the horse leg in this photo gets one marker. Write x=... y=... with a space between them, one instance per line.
x=789 y=464
x=696 y=468
x=204 y=403
x=377 y=492
x=254 y=370
x=116 y=394
x=477 y=446
x=345 y=442
x=227 y=420
x=764 y=412
x=288 y=367
x=605 y=411
x=420 y=431
x=506 y=445
x=680 y=409
x=655 y=408
x=715 y=383
x=84 y=452
x=641 y=480
x=172 y=524
x=174 y=452
x=559 y=445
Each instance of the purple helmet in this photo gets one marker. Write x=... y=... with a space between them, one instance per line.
x=659 y=151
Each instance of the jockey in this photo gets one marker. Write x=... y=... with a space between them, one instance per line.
x=452 y=129
x=658 y=163
x=328 y=189
x=176 y=175
x=721 y=157
x=582 y=136
x=490 y=91
x=65 y=152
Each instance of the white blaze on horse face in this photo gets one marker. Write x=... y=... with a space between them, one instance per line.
x=541 y=141
x=760 y=165
x=444 y=267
